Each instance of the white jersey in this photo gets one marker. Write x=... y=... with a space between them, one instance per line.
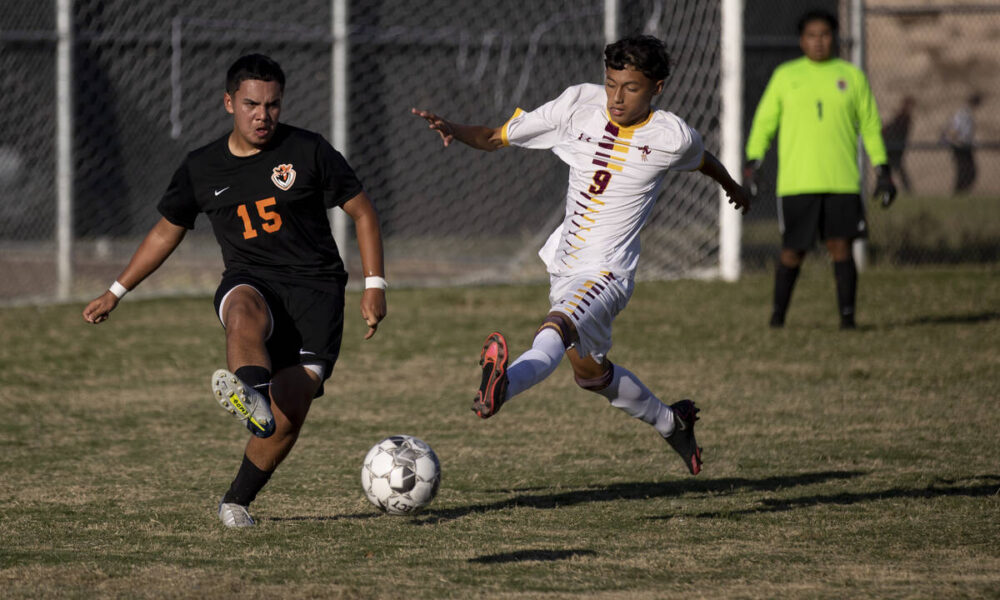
x=614 y=175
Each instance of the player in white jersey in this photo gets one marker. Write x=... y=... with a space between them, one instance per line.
x=618 y=149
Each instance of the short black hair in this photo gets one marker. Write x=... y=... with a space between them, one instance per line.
x=818 y=15
x=253 y=66
x=644 y=53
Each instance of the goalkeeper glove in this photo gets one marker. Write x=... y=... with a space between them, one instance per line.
x=750 y=170
x=885 y=189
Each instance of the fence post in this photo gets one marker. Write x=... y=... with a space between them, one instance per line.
x=731 y=121
x=338 y=110
x=860 y=246
x=64 y=148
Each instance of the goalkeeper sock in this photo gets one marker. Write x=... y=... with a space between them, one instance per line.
x=846 y=274
x=249 y=480
x=784 y=283
x=259 y=378
x=537 y=363
x=628 y=394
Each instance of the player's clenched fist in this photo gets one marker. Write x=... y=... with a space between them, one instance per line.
x=99 y=308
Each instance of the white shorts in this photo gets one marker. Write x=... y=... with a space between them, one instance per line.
x=592 y=301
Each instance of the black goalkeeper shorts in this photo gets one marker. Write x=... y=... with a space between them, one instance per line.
x=830 y=216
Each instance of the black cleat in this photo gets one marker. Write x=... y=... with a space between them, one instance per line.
x=682 y=439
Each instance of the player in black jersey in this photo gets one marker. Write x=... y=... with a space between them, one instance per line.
x=265 y=188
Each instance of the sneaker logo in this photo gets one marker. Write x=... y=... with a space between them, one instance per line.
x=234 y=399
x=217 y=192
x=283 y=176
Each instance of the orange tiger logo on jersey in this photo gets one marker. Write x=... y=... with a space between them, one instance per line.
x=283 y=176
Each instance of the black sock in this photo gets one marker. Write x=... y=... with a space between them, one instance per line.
x=249 y=480
x=784 y=283
x=846 y=275
x=256 y=377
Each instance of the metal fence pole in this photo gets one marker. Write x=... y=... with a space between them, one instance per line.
x=610 y=21
x=860 y=246
x=338 y=118
x=64 y=148
x=731 y=88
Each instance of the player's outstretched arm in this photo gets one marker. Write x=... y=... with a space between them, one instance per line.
x=366 y=225
x=738 y=195
x=479 y=137
x=161 y=240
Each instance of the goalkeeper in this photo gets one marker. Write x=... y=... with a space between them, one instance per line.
x=618 y=148
x=818 y=104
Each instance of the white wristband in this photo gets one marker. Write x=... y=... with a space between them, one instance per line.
x=118 y=289
x=375 y=282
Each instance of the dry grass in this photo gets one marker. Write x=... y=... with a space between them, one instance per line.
x=837 y=464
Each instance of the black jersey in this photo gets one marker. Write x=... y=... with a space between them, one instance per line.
x=268 y=211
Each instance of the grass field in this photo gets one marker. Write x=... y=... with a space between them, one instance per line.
x=837 y=464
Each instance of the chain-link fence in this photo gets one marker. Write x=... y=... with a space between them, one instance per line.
x=146 y=84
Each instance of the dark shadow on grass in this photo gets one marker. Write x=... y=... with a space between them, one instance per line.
x=356 y=516
x=530 y=555
x=639 y=490
x=960 y=319
x=989 y=486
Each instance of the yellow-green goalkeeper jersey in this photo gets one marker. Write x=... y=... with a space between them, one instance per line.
x=818 y=110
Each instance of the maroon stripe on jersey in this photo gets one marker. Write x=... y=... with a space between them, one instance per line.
x=600 y=163
x=606 y=145
x=611 y=128
x=602 y=154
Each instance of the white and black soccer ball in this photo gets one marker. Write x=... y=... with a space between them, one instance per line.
x=401 y=475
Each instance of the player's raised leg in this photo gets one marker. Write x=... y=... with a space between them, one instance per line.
x=501 y=383
x=244 y=391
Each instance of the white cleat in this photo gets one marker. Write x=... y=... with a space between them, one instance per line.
x=234 y=515
x=243 y=402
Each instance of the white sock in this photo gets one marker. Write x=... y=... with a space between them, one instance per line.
x=629 y=394
x=537 y=363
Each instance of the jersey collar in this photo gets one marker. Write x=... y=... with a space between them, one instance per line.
x=630 y=127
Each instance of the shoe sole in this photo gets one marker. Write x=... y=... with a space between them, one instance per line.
x=494 y=381
x=231 y=395
x=686 y=414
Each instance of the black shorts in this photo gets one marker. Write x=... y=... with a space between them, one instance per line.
x=802 y=217
x=307 y=323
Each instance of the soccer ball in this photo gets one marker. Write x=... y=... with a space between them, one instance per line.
x=400 y=475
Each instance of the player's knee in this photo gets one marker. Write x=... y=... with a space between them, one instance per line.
x=560 y=323
x=246 y=316
x=595 y=383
